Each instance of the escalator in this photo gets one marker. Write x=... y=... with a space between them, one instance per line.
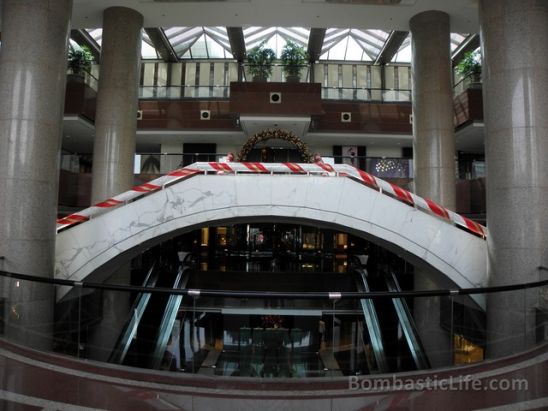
x=168 y=319
x=392 y=335
x=145 y=337
x=373 y=328
x=128 y=334
x=407 y=323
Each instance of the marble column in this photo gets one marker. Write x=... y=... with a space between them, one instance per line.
x=117 y=102
x=114 y=316
x=427 y=315
x=433 y=129
x=514 y=37
x=33 y=66
x=434 y=152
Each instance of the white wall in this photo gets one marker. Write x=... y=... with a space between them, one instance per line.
x=383 y=151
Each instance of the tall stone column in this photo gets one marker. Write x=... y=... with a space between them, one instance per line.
x=433 y=128
x=33 y=65
x=434 y=152
x=114 y=147
x=117 y=98
x=514 y=36
x=427 y=314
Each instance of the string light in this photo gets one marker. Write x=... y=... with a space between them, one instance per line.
x=384 y=165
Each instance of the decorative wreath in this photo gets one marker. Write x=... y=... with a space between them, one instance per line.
x=275 y=133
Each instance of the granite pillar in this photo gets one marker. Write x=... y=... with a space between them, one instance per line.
x=433 y=129
x=514 y=37
x=32 y=92
x=433 y=152
x=115 y=314
x=117 y=103
x=427 y=315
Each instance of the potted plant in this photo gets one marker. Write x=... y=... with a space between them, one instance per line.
x=293 y=57
x=260 y=59
x=470 y=67
x=80 y=60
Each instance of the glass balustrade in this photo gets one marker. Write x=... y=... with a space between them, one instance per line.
x=165 y=324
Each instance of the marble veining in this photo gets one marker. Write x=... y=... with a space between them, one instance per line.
x=441 y=247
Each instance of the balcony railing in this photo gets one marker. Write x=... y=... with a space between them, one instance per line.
x=470 y=81
x=273 y=347
x=223 y=92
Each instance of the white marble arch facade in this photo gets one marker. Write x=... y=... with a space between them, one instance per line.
x=334 y=202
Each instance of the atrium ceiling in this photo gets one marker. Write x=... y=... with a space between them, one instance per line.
x=347 y=30
x=343 y=44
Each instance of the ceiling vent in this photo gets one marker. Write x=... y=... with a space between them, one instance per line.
x=205 y=115
x=275 y=97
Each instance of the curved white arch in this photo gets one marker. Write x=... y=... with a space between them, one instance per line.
x=336 y=202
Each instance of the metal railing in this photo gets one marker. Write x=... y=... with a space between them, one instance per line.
x=229 y=354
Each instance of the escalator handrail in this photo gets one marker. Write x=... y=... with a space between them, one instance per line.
x=408 y=324
x=372 y=322
x=168 y=318
x=136 y=314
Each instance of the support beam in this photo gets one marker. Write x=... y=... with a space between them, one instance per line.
x=391 y=46
x=162 y=44
x=315 y=43
x=84 y=39
x=237 y=43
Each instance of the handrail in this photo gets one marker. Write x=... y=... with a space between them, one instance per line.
x=337 y=170
x=372 y=323
x=333 y=295
x=407 y=324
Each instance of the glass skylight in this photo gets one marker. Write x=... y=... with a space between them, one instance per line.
x=147 y=49
x=339 y=44
x=353 y=44
x=275 y=37
x=199 y=42
x=403 y=54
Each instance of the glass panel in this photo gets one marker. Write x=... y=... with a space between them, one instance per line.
x=199 y=42
x=276 y=37
x=353 y=51
x=147 y=49
x=267 y=337
x=26 y=312
x=456 y=40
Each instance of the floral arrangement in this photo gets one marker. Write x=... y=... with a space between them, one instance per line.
x=275 y=133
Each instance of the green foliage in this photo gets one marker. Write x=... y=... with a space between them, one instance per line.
x=293 y=58
x=80 y=60
x=260 y=61
x=470 y=65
